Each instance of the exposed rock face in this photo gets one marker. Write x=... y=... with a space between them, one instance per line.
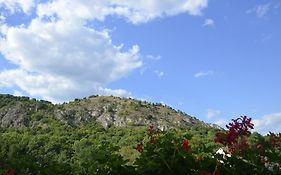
x=109 y=111
x=14 y=117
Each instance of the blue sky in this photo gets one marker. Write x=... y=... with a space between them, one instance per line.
x=213 y=59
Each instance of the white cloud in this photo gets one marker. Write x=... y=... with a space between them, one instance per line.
x=3 y=25
x=60 y=60
x=137 y=11
x=203 y=74
x=159 y=73
x=54 y=88
x=209 y=22
x=260 y=10
x=61 y=49
x=154 y=58
x=17 y=5
x=212 y=113
x=269 y=122
x=58 y=57
x=2 y=19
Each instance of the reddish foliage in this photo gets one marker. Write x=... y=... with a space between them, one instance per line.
x=139 y=147
x=228 y=138
x=150 y=127
x=275 y=139
x=236 y=136
x=241 y=125
x=153 y=133
x=216 y=172
x=10 y=172
x=153 y=130
x=259 y=146
x=185 y=145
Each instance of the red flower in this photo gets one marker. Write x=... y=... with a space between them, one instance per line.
x=153 y=133
x=243 y=144
x=236 y=136
x=185 y=145
x=151 y=129
x=220 y=137
x=139 y=147
x=241 y=125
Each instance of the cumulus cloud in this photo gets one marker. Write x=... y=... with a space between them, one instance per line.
x=60 y=60
x=269 y=122
x=61 y=49
x=54 y=88
x=17 y=5
x=136 y=11
x=59 y=57
x=203 y=74
x=209 y=22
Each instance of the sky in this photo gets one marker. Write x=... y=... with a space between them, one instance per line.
x=213 y=59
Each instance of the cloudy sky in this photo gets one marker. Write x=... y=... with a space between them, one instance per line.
x=213 y=59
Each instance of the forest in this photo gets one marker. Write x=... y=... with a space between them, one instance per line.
x=91 y=149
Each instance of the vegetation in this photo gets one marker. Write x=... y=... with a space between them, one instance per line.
x=107 y=110
x=62 y=149
x=93 y=150
x=49 y=145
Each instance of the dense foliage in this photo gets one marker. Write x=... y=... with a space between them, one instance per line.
x=37 y=137
x=61 y=149
x=52 y=147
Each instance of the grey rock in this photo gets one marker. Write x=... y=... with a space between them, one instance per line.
x=108 y=111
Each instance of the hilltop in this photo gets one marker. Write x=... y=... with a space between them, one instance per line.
x=108 y=111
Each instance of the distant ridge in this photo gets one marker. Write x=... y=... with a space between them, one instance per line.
x=109 y=111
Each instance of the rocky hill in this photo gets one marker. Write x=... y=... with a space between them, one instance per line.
x=109 y=111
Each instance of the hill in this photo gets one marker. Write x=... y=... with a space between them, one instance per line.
x=95 y=135
x=107 y=110
x=102 y=135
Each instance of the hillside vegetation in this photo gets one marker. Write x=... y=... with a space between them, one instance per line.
x=113 y=136
x=107 y=110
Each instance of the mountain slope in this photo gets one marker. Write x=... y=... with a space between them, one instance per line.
x=95 y=135
x=107 y=110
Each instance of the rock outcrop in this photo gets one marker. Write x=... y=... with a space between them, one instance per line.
x=106 y=110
